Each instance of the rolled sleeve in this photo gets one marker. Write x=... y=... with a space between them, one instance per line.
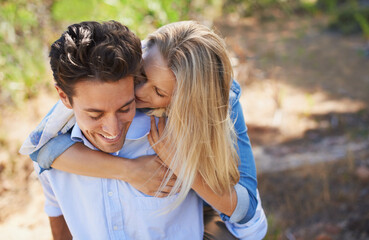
x=51 y=150
x=242 y=206
x=247 y=184
x=255 y=229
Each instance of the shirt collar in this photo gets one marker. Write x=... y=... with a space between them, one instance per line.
x=140 y=126
x=78 y=136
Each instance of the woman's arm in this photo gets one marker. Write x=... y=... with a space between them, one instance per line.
x=144 y=173
x=247 y=185
x=242 y=201
x=225 y=203
x=240 y=204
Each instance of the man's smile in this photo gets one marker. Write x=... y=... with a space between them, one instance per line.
x=111 y=139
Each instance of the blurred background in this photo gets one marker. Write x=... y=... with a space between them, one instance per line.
x=304 y=70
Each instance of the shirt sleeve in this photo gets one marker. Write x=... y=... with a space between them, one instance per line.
x=59 y=120
x=51 y=206
x=246 y=187
x=47 y=154
x=255 y=228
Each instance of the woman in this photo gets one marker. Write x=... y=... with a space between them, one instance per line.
x=188 y=73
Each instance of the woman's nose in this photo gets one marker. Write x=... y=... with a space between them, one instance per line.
x=142 y=90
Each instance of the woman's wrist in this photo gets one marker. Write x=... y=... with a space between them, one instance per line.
x=225 y=203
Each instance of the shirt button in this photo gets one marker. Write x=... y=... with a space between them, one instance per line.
x=115 y=228
x=110 y=194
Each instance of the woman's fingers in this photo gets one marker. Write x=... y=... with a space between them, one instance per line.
x=154 y=130
x=153 y=135
x=161 y=126
x=161 y=194
x=172 y=181
x=157 y=131
x=164 y=192
x=151 y=141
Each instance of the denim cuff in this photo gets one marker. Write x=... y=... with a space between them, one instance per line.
x=243 y=202
x=53 y=149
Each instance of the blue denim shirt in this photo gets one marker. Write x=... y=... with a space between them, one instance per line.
x=246 y=187
x=245 y=209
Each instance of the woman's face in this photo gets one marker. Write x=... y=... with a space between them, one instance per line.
x=157 y=90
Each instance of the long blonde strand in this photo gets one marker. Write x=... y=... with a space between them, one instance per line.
x=199 y=129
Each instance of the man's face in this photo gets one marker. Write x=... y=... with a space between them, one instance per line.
x=104 y=111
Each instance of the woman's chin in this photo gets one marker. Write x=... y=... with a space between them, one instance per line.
x=142 y=104
x=157 y=112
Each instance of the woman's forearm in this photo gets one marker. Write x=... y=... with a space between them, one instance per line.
x=145 y=173
x=81 y=160
x=225 y=203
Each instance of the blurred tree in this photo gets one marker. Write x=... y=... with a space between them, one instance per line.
x=142 y=16
x=21 y=51
x=28 y=27
x=346 y=16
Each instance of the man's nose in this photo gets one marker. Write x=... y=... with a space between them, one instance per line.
x=111 y=125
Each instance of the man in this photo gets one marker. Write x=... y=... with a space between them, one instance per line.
x=94 y=65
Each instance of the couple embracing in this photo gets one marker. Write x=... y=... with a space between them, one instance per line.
x=147 y=141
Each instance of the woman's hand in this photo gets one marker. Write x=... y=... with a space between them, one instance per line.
x=225 y=203
x=157 y=142
x=148 y=172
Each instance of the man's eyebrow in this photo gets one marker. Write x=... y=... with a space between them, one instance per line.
x=100 y=111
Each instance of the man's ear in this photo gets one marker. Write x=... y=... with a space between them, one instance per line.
x=63 y=97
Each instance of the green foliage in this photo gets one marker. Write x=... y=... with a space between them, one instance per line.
x=21 y=56
x=28 y=27
x=264 y=9
x=350 y=18
x=346 y=16
x=141 y=16
x=309 y=7
x=363 y=22
x=327 y=5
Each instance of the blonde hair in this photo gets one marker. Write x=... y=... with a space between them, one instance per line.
x=199 y=130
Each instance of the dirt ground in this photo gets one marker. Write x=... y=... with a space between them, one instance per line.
x=305 y=95
x=305 y=99
x=21 y=201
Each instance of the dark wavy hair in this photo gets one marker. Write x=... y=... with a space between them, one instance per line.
x=94 y=51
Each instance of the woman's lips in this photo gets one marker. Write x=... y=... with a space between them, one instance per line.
x=140 y=101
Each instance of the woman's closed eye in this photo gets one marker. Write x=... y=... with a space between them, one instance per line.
x=158 y=92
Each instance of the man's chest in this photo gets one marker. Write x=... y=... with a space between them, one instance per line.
x=109 y=207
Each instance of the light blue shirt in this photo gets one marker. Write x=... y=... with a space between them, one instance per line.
x=98 y=208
